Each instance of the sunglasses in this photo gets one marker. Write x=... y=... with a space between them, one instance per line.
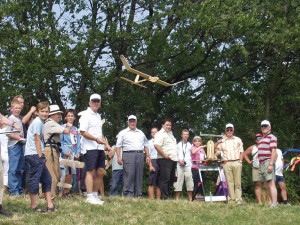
x=263 y=126
x=229 y=130
x=96 y=100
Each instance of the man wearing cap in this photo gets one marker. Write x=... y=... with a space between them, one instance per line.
x=92 y=147
x=253 y=150
x=267 y=156
x=166 y=146
x=134 y=143
x=232 y=148
x=52 y=131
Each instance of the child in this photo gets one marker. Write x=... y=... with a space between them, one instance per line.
x=198 y=155
x=34 y=156
x=70 y=144
x=15 y=145
x=116 y=183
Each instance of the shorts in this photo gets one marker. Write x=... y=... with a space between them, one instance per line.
x=255 y=174
x=264 y=175
x=280 y=179
x=152 y=179
x=94 y=159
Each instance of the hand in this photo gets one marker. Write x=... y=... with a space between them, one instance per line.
x=69 y=124
x=152 y=169
x=181 y=162
x=76 y=157
x=32 y=109
x=108 y=148
x=68 y=154
x=15 y=126
x=166 y=156
x=250 y=162
x=120 y=161
x=1 y=124
x=270 y=168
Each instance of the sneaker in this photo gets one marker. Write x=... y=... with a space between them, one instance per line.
x=287 y=204
x=5 y=213
x=273 y=206
x=84 y=194
x=94 y=201
x=95 y=194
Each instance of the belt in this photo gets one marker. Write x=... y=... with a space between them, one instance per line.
x=232 y=160
x=52 y=145
x=134 y=151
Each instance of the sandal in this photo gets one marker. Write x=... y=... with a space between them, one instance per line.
x=37 y=210
x=53 y=209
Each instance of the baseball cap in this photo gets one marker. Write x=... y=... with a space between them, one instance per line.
x=132 y=117
x=95 y=97
x=229 y=125
x=265 y=122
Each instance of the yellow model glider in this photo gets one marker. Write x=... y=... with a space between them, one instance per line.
x=146 y=77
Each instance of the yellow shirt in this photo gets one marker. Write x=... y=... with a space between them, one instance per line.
x=167 y=142
x=231 y=148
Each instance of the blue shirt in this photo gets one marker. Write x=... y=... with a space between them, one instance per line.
x=71 y=141
x=36 y=127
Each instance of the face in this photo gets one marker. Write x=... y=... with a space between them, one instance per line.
x=56 y=117
x=265 y=129
x=197 y=143
x=16 y=109
x=185 y=136
x=229 y=132
x=132 y=124
x=153 y=132
x=21 y=100
x=70 y=117
x=167 y=126
x=95 y=104
x=43 y=113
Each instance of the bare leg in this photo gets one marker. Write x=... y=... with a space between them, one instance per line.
x=151 y=191
x=282 y=187
x=158 y=193
x=273 y=191
x=98 y=182
x=190 y=195
x=258 y=191
x=68 y=180
x=89 y=181
x=177 y=195
x=48 y=199
x=33 y=198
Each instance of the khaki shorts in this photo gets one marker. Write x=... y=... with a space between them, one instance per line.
x=264 y=175
x=255 y=174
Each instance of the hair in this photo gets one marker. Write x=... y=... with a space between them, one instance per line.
x=185 y=131
x=42 y=105
x=167 y=120
x=70 y=111
x=197 y=138
x=14 y=102
x=18 y=96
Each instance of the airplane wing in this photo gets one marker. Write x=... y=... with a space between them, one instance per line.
x=131 y=81
x=128 y=68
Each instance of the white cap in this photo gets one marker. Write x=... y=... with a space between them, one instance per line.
x=229 y=125
x=95 y=96
x=132 y=117
x=54 y=109
x=265 y=122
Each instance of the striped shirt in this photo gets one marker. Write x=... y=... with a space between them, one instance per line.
x=231 y=148
x=265 y=146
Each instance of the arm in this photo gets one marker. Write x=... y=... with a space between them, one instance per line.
x=7 y=122
x=26 y=118
x=272 y=160
x=87 y=135
x=148 y=160
x=247 y=153
x=118 y=151
x=68 y=128
x=194 y=151
x=37 y=142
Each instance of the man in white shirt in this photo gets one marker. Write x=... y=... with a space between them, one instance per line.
x=133 y=143
x=184 y=166
x=92 y=146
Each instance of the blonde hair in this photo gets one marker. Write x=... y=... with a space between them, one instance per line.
x=42 y=105
x=197 y=138
x=14 y=102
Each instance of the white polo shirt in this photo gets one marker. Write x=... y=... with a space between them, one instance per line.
x=90 y=122
x=130 y=140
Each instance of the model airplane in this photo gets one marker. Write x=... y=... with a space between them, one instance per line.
x=146 y=77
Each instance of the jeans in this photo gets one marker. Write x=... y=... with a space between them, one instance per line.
x=116 y=183
x=166 y=176
x=15 y=171
x=38 y=174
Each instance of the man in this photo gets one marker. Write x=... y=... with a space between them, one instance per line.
x=184 y=166
x=153 y=188
x=92 y=146
x=4 y=121
x=166 y=146
x=253 y=150
x=133 y=143
x=232 y=149
x=52 y=131
x=280 y=178
x=267 y=155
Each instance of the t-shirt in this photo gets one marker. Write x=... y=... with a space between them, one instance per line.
x=279 y=163
x=184 y=153
x=198 y=157
x=265 y=146
x=36 y=127
x=12 y=142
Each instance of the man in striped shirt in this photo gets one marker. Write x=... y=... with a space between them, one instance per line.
x=267 y=155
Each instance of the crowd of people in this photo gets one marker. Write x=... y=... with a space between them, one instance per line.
x=34 y=146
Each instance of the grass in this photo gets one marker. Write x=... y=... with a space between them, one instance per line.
x=118 y=210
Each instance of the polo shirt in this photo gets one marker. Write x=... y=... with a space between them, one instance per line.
x=167 y=142
x=265 y=146
x=130 y=140
x=90 y=122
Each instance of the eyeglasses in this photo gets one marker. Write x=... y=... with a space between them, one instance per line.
x=229 y=130
x=95 y=100
x=263 y=126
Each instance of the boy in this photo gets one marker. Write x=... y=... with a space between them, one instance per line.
x=15 y=145
x=35 y=157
